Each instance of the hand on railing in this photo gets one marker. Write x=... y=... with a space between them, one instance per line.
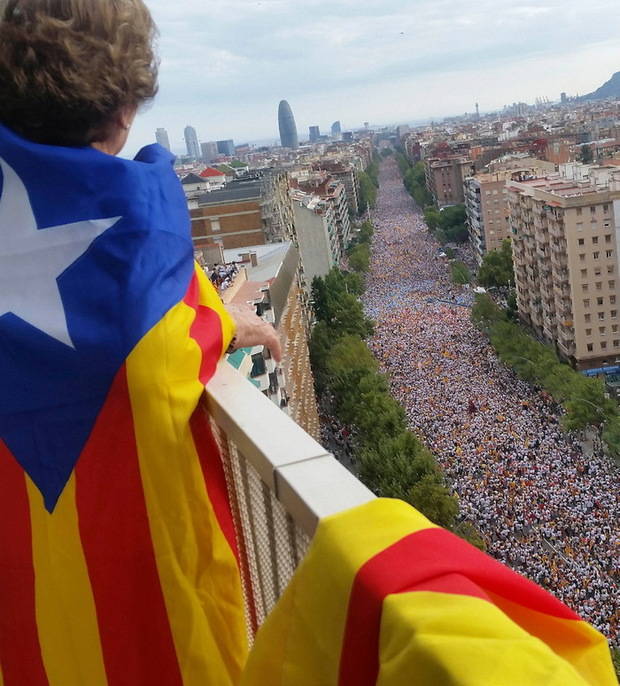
x=252 y=330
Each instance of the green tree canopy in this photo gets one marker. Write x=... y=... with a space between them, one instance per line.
x=497 y=269
x=460 y=273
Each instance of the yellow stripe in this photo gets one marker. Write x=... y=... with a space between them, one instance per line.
x=66 y=615
x=210 y=298
x=455 y=639
x=1 y=677
x=575 y=641
x=197 y=570
x=300 y=643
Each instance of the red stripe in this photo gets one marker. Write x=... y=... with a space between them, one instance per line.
x=213 y=472
x=206 y=330
x=432 y=559
x=20 y=651
x=133 y=622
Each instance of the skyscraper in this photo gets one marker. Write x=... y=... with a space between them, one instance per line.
x=288 y=128
x=209 y=151
x=191 y=141
x=336 y=130
x=161 y=136
x=315 y=133
x=226 y=147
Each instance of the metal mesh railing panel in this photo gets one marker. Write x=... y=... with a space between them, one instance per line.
x=270 y=543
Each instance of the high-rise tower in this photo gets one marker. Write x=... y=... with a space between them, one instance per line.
x=161 y=136
x=288 y=128
x=191 y=141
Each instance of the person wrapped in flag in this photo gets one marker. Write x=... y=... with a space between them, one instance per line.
x=118 y=561
x=117 y=552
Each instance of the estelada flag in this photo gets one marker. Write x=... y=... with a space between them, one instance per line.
x=386 y=598
x=117 y=552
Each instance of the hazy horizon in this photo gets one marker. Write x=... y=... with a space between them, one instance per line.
x=226 y=65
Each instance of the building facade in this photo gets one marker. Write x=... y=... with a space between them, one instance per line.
x=208 y=151
x=565 y=236
x=287 y=126
x=226 y=147
x=191 y=143
x=317 y=234
x=314 y=133
x=245 y=212
x=445 y=177
x=161 y=136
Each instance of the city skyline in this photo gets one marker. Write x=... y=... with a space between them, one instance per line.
x=421 y=62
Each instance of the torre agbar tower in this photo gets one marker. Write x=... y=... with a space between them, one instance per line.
x=288 y=128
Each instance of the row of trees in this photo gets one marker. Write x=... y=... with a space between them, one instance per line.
x=369 y=183
x=584 y=399
x=392 y=460
x=449 y=225
x=496 y=269
x=414 y=179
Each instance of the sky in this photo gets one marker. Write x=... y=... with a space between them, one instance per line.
x=226 y=64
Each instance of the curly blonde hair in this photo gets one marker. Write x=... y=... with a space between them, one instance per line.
x=67 y=67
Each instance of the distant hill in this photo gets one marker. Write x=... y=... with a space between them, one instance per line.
x=611 y=89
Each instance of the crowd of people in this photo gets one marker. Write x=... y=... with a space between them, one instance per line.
x=543 y=506
x=223 y=275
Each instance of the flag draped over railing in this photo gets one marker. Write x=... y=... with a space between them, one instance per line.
x=117 y=550
x=385 y=597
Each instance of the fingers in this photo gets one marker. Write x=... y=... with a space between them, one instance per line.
x=274 y=345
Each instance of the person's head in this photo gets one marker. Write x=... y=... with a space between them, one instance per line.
x=74 y=72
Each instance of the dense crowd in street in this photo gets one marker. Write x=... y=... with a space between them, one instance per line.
x=543 y=507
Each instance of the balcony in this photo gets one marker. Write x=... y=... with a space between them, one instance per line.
x=281 y=483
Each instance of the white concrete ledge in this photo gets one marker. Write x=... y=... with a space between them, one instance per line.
x=303 y=476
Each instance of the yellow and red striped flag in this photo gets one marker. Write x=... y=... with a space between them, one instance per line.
x=386 y=598
x=117 y=550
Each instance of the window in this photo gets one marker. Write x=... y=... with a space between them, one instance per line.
x=597 y=271
x=584 y=287
x=215 y=225
x=612 y=299
x=616 y=343
x=609 y=253
x=596 y=255
x=592 y=209
x=581 y=241
x=588 y=332
x=584 y=273
x=601 y=316
x=603 y=345
x=614 y=328
x=608 y=238
x=587 y=318
x=579 y=211
x=599 y=301
x=605 y=209
x=610 y=268
x=582 y=257
x=601 y=330
x=579 y=226
x=599 y=285
x=586 y=303
x=594 y=240
x=614 y=314
x=590 y=347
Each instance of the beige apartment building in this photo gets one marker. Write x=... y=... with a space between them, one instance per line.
x=486 y=201
x=565 y=236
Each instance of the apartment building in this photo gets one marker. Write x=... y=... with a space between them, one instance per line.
x=245 y=212
x=270 y=281
x=445 y=177
x=486 y=201
x=565 y=235
x=317 y=233
x=330 y=189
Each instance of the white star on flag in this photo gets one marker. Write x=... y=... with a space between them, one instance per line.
x=31 y=260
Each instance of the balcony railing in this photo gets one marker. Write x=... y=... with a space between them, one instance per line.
x=281 y=483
